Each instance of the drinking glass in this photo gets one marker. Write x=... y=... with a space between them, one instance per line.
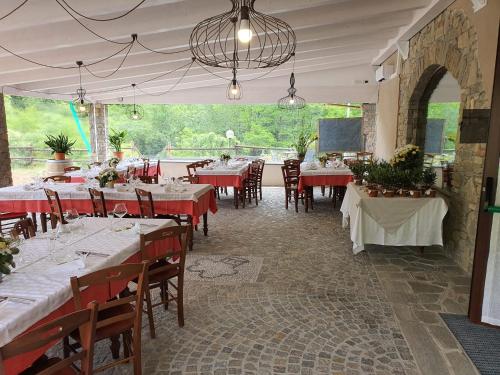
x=71 y=215
x=120 y=210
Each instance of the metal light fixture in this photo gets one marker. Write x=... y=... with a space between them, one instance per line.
x=136 y=112
x=81 y=104
x=292 y=100
x=234 y=88
x=260 y=40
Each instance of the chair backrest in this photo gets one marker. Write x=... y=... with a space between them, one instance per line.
x=98 y=203
x=145 y=168
x=335 y=155
x=24 y=227
x=65 y=179
x=366 y=157
x=295 y=162
x=146 y=204
x=191 y=169
x=84 y=320
x=190 y=179
x=148 y=179
x=261 y=163
x=104 y=279
x=428 y=160
x=158 y=169
x=55 y=205
x=253 y=170
x=180 y=232
x=71 y=169
x=290 y=175
x=130 y=172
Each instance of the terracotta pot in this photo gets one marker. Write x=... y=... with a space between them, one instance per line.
x=415 y=193
x=59 y=156
x=118 y=154
x=358 y=181
x=388 y=193
x=372 y=193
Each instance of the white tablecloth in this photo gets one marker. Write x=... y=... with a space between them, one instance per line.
x=79 y=191
x=330 y=171
x=39 y=278
x=392 y=221
x=237 y=170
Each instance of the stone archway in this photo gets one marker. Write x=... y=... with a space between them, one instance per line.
x=447 y=44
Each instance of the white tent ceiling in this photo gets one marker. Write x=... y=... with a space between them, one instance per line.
x=337 y=40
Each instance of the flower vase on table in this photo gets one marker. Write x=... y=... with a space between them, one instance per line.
x=108 y=177
x=8 y=249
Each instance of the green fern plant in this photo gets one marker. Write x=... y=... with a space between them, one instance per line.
x=116 y=139
x=60 y=144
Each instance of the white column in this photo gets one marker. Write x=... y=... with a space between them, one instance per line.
x=98 y=122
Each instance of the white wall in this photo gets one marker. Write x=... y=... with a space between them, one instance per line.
x=272 y=172
x=387 y=118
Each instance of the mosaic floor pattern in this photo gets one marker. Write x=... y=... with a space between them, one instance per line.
x=305 y=304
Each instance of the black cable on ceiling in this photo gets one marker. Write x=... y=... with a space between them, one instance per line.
x=13 y=10
x=172 y=87
x=115 y=70
x=103 y=19
x=160 y=52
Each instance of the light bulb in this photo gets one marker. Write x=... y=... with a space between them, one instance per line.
x=234 y=90
x=245 y=34
x=292 y=101
x=81 y=108
x=135 y=116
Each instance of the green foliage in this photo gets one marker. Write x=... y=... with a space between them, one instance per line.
x=428 y=177
x=59 y=143
x=116 y=139
x=358 y=168
x=450 y=112
x=304 y=139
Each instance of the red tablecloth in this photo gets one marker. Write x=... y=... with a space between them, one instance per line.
x=324 y=180
x=100 y=293
x=223 y=180
x=84 y=206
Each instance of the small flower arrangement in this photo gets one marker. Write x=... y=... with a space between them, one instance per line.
x=7 y=252
x=107 y=176
x=225 y=157
x=358 y=169
x=113 y=162
x=408 y=157
x=323 y=160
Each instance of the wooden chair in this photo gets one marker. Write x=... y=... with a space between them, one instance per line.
x=24 y=227
x=81 y=321
x=147 y=207
x=118 y=316
x=158 y=170
x=334 y=155
x=293 y=162
x=190 y=179
x=261 y=163
x=130 y=172
x=148 y=179
x=291 y=182
x=64 y=179
x=251 y=183
x=365 y=157
x=145 y=168
x=428 y=160
x=191 y=169
x=71 y=169
x=98 y=203
x=8 y=220
x=56 y=212
x=161 y=272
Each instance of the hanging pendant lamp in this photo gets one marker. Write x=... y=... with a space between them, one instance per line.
x=135 y=112
x=81 y=104
x=234 y=88
x=292 y=100
x=262 y=41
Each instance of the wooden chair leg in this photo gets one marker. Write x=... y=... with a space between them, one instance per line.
x=126 y=345
x=296 y=198
x=149 y=309
x=180 y=301
x=287 y=197
x=165 y=291
x=323 y=190
x=136 y=343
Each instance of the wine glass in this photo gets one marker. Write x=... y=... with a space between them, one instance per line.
x=71 y=215
x=120 y=210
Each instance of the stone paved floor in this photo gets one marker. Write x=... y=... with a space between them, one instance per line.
x=314 y=308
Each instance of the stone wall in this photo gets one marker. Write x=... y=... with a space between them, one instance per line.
x=448 y=43
x=5 y=170
x=368 y=126
x=98 y=122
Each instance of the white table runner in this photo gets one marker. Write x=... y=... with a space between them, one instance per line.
x=392 y=221
x=46 y=285
x=238 y=170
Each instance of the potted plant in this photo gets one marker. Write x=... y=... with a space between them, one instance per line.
x=224 y=158
x=428 y=181
x=113 y=162
x=358 y=169
x=408 y=157
x=60 y=145
x=415 y=179
x=304 y=140
x=108 y=177
x=8 y=249
x=116 y=140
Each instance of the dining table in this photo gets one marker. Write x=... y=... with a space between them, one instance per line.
x=313 y=174
x=394 y=221
x=232 y=174
x=38 y=290
x=88 y=173
x=192 y=200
